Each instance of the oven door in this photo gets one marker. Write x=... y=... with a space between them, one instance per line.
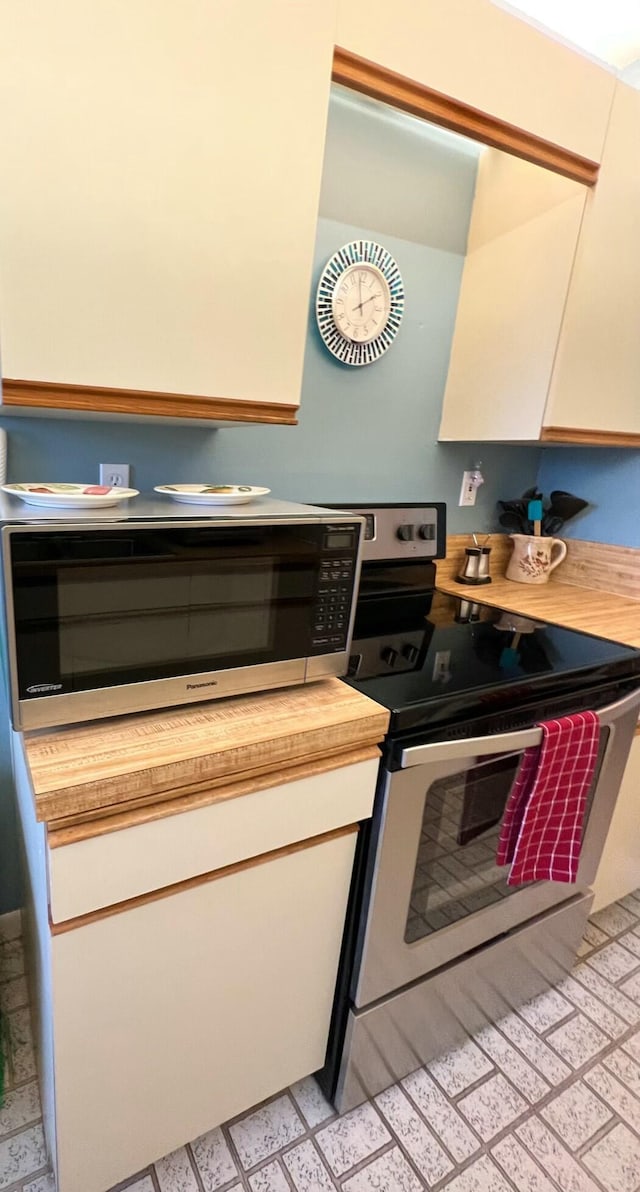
x=434 y=891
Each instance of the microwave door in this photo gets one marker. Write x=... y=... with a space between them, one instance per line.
x=205 y=611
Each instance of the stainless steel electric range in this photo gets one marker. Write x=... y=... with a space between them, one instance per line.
x=437 y=944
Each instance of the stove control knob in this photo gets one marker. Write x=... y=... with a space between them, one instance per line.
x=405 y=533
x=410 y=653
x=427 y=532
x=389 y=655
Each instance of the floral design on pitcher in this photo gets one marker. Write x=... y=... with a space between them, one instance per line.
x=534 y=563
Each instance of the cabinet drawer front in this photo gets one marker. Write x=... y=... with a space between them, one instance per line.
x=174 y=1016
x=97 y=872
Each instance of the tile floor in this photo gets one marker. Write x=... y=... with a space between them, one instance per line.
x=547 y=1100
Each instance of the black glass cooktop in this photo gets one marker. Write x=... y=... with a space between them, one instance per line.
x=437 y=660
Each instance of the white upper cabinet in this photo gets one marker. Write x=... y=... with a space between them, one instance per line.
x=546 y=344
x=477 y=53
x=160 y=182
x=522 y=240
x=596 y=381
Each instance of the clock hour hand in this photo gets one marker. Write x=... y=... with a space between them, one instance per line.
x=369 y=299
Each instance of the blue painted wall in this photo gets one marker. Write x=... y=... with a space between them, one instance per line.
x=370 y=433
x=364 y=434
x=609 y=478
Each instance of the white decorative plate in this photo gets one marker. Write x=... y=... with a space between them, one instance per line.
x=69 y=496
x=212 y=494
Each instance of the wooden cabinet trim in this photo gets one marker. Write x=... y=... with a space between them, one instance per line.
x=190 y=883
x=74 y=829
x=410 y=96
x=96 y=399
x=588 y=438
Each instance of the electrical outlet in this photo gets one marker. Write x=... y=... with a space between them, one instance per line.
x=115 y=475
x=468 y=489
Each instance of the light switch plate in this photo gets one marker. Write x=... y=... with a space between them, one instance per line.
x=468 y=489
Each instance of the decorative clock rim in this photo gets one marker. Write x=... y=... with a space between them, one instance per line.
x=358 y=252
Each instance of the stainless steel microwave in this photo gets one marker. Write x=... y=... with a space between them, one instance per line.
x=160 y=606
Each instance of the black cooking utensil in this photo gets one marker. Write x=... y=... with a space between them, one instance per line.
x=551 y=525
x=518 y=507
x=565 y=505
x=513 y=522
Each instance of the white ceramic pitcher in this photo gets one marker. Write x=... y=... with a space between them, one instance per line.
x=534 y=558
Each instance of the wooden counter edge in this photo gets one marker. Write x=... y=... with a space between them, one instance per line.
x=73 y=829
x=109 y=795
x=177 y=741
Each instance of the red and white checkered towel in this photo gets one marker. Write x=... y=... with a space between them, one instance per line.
x=541 y=832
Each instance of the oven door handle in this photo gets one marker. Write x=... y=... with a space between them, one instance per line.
x=444 y=751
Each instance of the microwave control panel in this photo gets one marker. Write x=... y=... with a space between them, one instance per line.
x=336 y=589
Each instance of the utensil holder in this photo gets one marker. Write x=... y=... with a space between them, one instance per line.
x=476 y=566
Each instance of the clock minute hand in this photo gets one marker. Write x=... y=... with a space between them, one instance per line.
x=369 y=299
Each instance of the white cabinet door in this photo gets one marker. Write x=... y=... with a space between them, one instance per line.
x=595 y=382
x=161 y=174
x=619 y=869
x=522 y=241
x=546 y=344
x=181 y=1012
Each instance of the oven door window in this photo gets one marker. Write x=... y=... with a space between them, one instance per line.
x=456 y=873
x=98 y=610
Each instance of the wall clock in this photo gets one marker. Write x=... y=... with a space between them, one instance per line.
x=360 y=302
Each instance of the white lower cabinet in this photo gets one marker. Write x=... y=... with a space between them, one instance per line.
x=619 y=869
x=185 y=966
x=175 y=1015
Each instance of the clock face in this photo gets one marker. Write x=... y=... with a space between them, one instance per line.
x=360 y=302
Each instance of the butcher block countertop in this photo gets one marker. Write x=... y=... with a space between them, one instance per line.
x=604 y=615
x=588 y=608
x=198 y=754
